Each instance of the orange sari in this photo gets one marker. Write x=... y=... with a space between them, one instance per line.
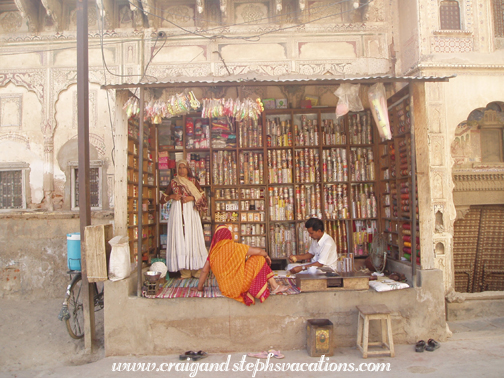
x=239 y=278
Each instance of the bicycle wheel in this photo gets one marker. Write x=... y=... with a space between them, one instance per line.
x=75 y=324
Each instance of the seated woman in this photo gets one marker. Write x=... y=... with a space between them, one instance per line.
x=242 y=272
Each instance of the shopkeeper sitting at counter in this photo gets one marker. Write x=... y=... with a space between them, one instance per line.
x=322 y=251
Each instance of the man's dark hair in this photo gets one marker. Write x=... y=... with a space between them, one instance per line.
x=315 y=224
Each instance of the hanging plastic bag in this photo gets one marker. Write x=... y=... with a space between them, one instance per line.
x=349 y=100
x=120 y=266
x=378 y=103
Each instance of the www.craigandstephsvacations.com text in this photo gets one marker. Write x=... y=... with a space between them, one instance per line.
x=193 y=368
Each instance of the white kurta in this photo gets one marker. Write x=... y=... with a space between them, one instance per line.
x=185 y=250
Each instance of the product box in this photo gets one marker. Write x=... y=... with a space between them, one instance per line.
x=281 y=103
x=162 y=239
x=313 y=99
x=305 y=104
x=269 y=103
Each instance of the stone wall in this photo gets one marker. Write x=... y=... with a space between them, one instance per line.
x=33 y=252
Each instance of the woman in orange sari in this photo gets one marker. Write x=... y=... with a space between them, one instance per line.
x=242 y=272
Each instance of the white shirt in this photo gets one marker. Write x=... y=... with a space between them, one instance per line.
x=324 y=251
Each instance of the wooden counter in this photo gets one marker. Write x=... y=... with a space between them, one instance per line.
x=308 y=282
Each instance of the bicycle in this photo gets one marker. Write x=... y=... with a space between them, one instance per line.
x=73 y=309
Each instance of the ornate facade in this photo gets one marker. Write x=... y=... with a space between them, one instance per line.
x=236 y=40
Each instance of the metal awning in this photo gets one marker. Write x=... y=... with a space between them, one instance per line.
x=228 y=82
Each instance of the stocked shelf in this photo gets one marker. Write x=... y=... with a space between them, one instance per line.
x=148 y=202
x=266 y=177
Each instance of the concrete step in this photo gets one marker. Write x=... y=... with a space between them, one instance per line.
x=471 y=306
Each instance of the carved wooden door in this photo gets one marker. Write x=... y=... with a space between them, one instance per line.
x=478 y=250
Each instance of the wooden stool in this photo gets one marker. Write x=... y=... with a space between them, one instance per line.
x=374 y=312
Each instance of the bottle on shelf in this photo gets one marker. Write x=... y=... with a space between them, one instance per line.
x=334 y=165
x=250 y=133
x=333 y=132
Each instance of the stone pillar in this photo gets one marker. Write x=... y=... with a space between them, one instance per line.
x=121 y=165
x=48 y=183
x=434 y=180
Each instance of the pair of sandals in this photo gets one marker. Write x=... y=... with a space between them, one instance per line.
x=430 y=346
x=195 y=356
x=264 y=354
x=280 y=289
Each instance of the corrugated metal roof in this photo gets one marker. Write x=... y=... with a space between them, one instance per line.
x=229 y=81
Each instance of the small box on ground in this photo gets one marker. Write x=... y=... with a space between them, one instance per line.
x=319 y=337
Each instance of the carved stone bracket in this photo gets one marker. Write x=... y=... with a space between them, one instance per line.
x=293 y=93
x=54 y=10
x=149 y=10
x=29 y=10
x=106 y=8
x=462 y=211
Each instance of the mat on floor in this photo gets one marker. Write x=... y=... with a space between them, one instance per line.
x=181 y=288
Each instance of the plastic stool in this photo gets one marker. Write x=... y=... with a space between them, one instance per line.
x=374 y=312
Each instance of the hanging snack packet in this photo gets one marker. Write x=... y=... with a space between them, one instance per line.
x=378 y=102
x=349 y=100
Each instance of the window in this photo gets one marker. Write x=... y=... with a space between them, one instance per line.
x=498 y=15
x=12 y=185
x=95 y=184
x=449 y=12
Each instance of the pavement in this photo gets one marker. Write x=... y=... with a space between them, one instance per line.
x=475 y=349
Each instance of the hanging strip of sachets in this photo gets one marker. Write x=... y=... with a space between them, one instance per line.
x=238 y=109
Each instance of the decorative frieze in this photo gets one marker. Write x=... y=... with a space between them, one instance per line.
x=470 y=182
x=451 y=44
x=33 y=80
x=168 y=72
x=263 y=69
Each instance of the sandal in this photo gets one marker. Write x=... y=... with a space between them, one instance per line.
x=276 y=353
x=187 y=355
x=432 y=345
x=280 y=289
x=199 y=355
x=258 y=355
x=420 y=346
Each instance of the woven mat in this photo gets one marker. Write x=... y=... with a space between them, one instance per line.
x=181 y=288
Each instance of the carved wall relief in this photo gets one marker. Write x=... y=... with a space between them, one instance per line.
x=11 y=22
x=256 y=13
x=437 y=151
x=11 y=110
x=437 y=186
x=92 y=109
x=179 y=15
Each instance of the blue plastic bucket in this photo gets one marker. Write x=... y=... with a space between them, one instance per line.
x=73 y=251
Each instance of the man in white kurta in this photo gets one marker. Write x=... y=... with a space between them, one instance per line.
x=322 y=252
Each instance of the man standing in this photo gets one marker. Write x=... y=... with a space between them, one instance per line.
x=322 y=251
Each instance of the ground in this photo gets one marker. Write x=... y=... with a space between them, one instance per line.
x=32 y=337
x=34 y=343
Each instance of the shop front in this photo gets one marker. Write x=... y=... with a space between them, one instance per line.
x=265 y=173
